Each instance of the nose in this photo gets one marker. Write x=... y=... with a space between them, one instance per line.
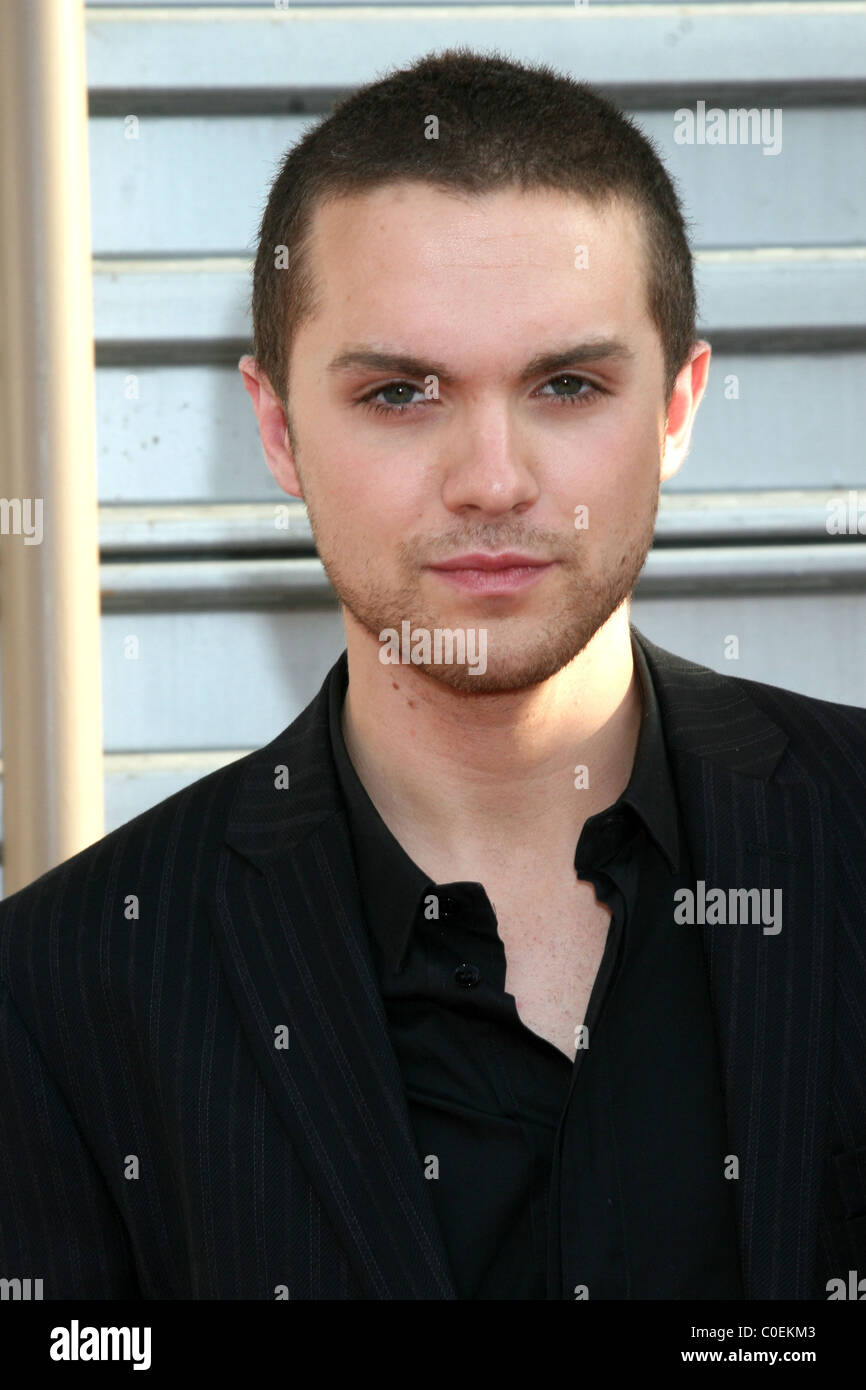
x=486 y=465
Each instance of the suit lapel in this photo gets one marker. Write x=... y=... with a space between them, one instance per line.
x=288 y=923
x=756 y=819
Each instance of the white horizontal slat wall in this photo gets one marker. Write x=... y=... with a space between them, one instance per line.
x=234 y=621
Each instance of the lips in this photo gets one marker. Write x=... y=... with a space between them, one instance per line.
x=492 y=576
x=479 y=560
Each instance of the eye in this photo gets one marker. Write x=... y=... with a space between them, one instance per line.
x=573 y=398
x=393 y=387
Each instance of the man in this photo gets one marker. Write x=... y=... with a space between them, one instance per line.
x=531 y=966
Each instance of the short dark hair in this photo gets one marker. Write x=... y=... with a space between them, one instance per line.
x=500 y=124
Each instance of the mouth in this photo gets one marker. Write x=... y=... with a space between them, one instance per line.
x=481 y=573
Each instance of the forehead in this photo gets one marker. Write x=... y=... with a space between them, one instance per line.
x=407 y=253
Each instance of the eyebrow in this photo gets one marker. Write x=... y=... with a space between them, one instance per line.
x=590 y=350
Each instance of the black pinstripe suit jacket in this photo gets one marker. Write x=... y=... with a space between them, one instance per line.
x=157 y=1142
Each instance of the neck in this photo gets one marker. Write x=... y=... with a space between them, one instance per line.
x=468 y=782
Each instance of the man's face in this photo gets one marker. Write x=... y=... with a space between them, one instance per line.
x=493 y=453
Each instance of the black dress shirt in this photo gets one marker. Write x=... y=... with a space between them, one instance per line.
x=598 y=1178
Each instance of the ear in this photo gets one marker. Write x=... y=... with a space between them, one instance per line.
x=272 y=426
x=686 y=396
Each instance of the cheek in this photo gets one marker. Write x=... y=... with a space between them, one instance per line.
x=365 y=503
x=614 y=472
x=629 y=431
x=609 y=458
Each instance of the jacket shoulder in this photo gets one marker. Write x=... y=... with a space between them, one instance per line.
x=192 y=812
x=73 y=941
x=805 y=715
x=785 y=705
x=826 y=735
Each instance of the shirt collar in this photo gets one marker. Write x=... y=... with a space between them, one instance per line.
x=391 y=883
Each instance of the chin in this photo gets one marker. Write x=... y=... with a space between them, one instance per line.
x=502 y=677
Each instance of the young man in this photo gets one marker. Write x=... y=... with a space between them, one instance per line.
x=530 y=966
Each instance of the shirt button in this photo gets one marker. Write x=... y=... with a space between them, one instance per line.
x=467 y=976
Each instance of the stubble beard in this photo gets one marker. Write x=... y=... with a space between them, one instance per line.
x=523 y=649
